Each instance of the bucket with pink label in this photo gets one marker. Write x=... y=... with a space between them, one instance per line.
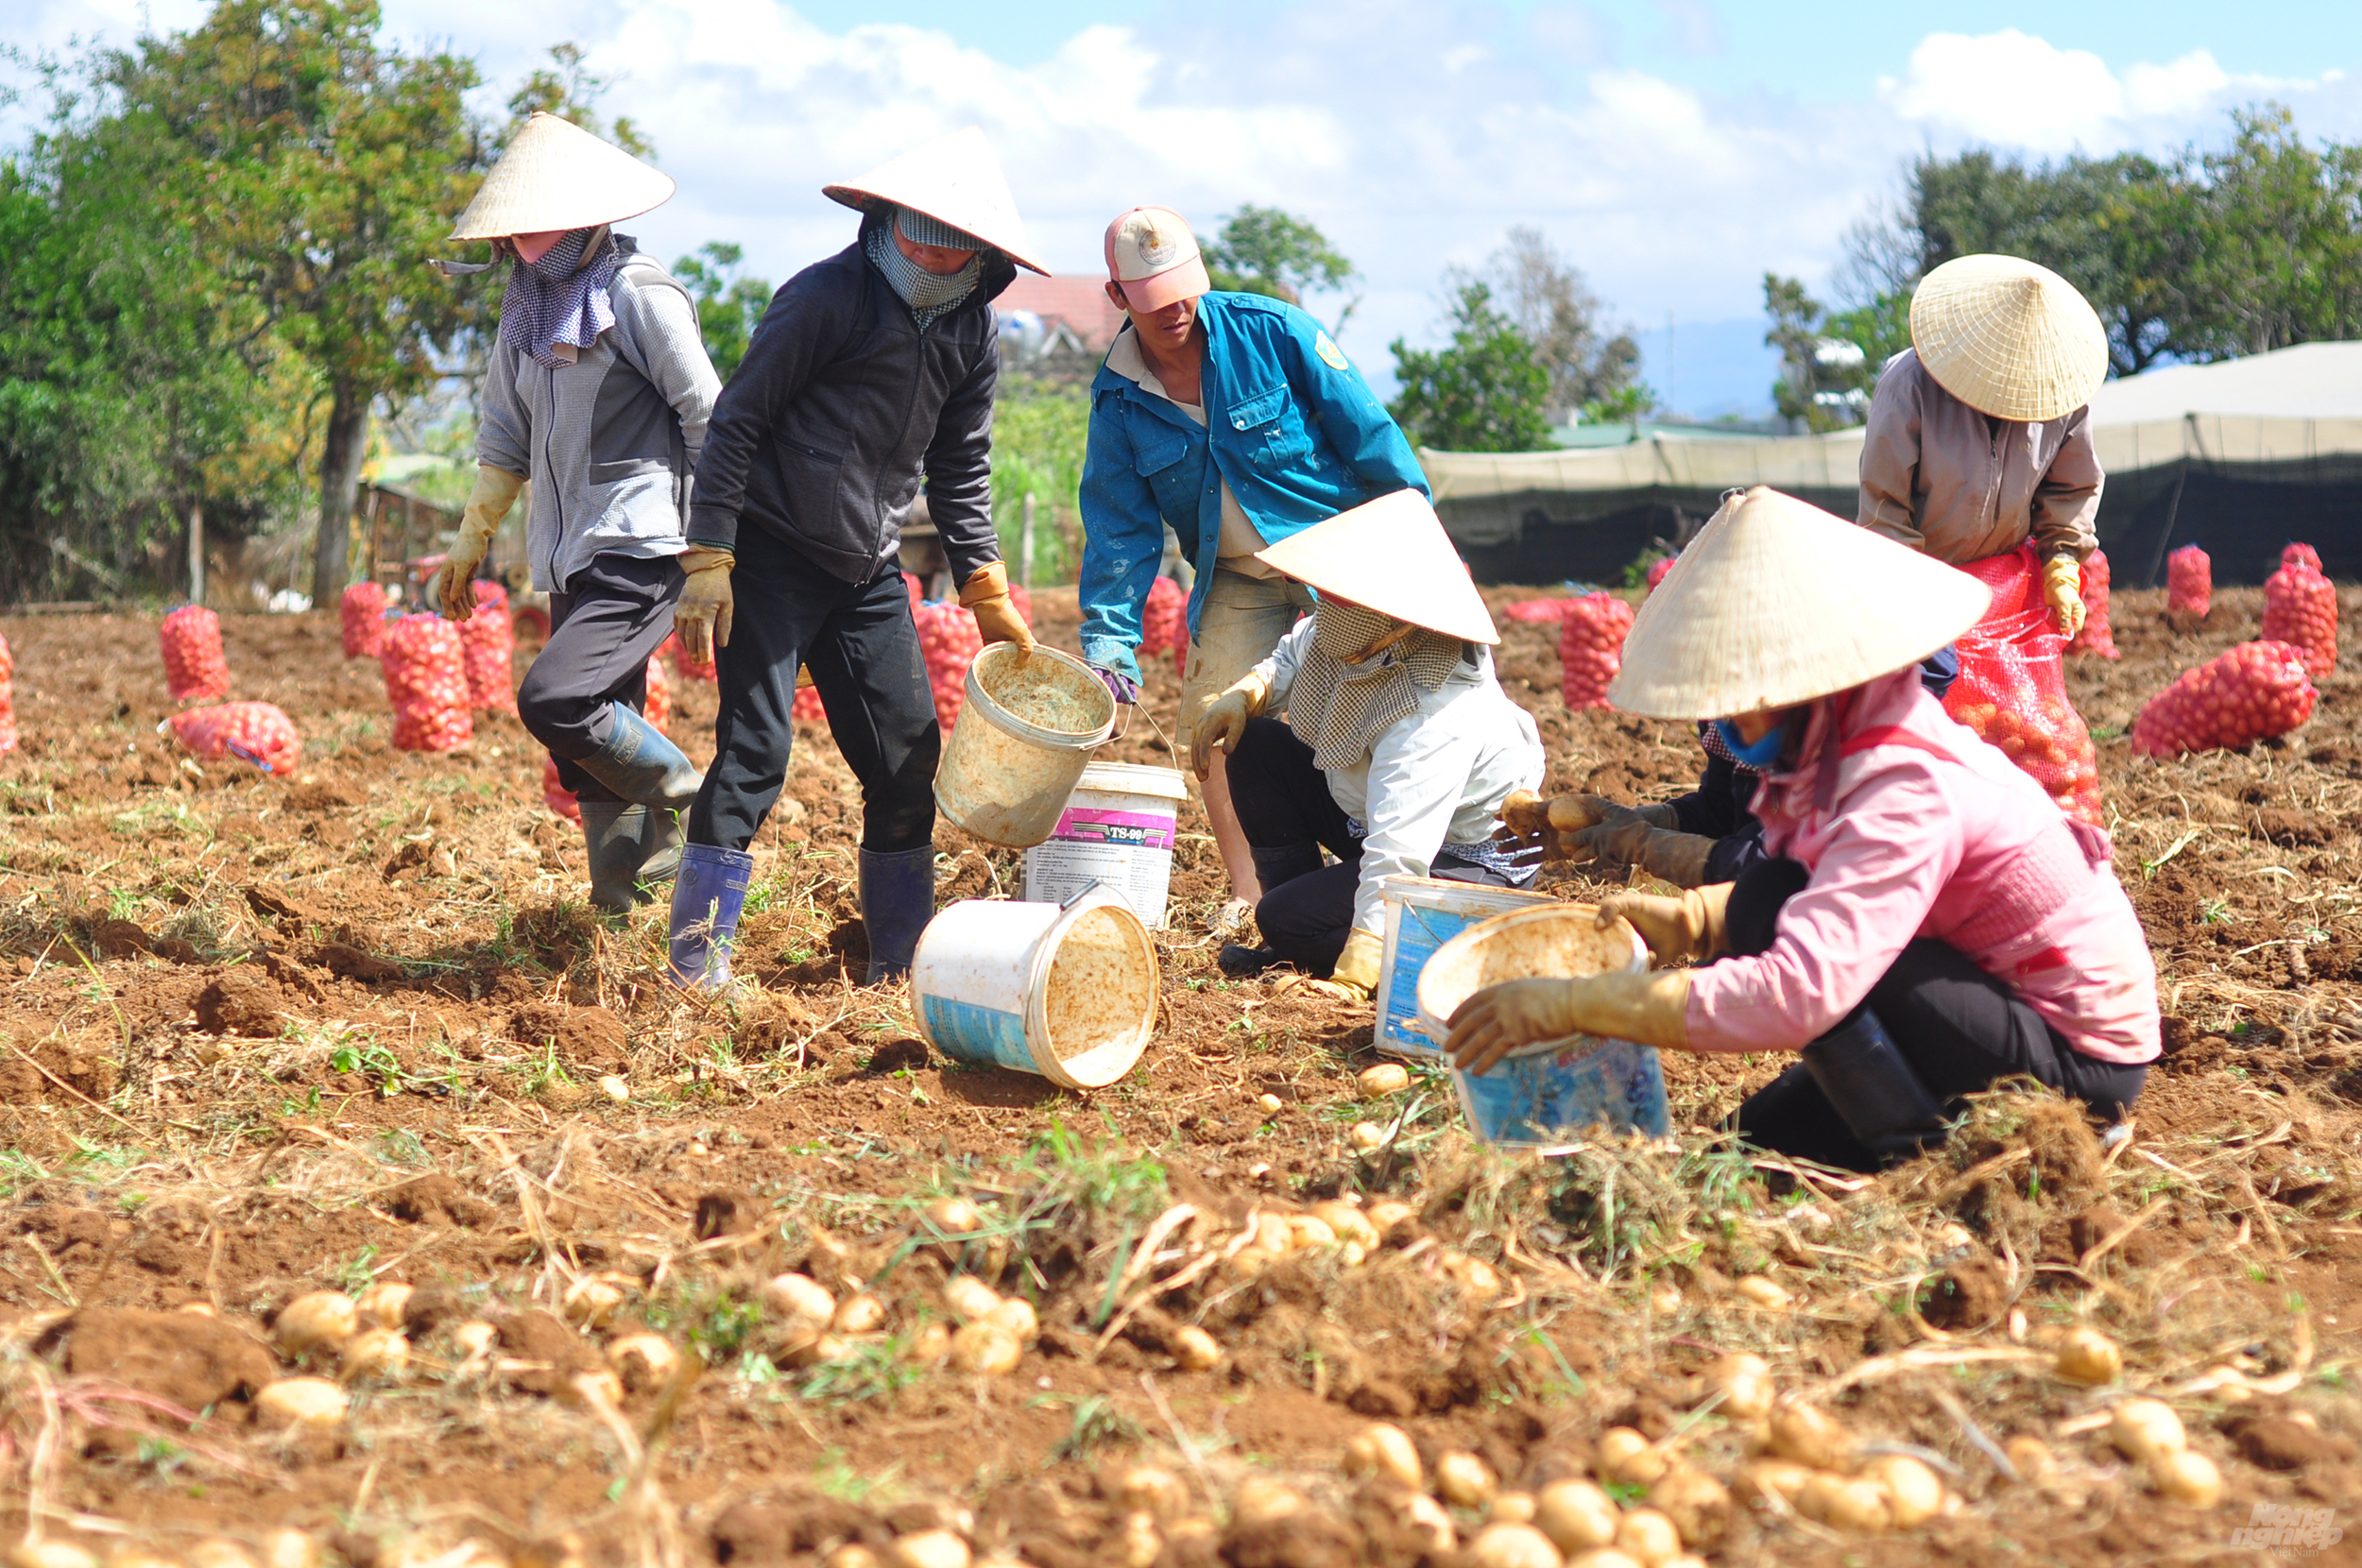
x=1117 y=829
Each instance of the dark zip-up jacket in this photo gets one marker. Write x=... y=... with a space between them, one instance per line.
x=840 y=405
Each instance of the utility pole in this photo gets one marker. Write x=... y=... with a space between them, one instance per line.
x=1025 y=546
x=196 y=553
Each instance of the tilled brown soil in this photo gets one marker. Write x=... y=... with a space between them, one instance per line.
x=271 y=1037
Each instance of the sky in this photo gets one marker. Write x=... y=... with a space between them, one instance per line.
x=1675 y=150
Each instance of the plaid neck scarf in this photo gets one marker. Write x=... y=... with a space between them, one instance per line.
x=1342 y=708
x=929 y=295
x=561 y=297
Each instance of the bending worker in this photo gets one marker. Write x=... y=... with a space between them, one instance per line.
x=599 y=389
x=869 y=370
x=1926 y=924
x=1398 y=749
x=1237 y=419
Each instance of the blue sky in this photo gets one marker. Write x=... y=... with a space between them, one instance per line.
x=1676 y=149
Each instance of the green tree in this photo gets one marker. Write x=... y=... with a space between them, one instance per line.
x=570 y=91
x=1484 y=392
x=318 y=167
x=1824 y=378
x=1264 y=251
x=2282 y=257
x=1592 y=374
x=728 y=306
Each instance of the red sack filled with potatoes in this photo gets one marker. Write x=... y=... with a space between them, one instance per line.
x=2011 y=688
x=255 y=733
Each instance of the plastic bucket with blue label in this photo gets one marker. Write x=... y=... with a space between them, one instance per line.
x=1068 y=991
x=1423 y=914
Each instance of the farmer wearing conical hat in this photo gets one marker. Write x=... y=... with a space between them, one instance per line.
x=1237 y=420
x=870 y=370
x=1400 y=745
x=599 y=391
x=1927 y=922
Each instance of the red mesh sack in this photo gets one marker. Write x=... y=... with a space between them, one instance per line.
x=363 y=612
x=487 y=643
x=2096 y=639
x=1657 y=571
x=1165 y=622
x=808 y=709
x=658 y=705
x=8 y=697
x=2301 y=610
x=555 y=795
x=426 y=680
x=949 y=639
x=910 y=585
x=2255 y=690
x=683 y=664
x=2301 y=554
x=251 y=732
x=2189 y=586
x=2012 y=687
x=1536 y=609
x=1591 y=646
x=194 y=664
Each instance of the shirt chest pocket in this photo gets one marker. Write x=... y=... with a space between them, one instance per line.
x=1159 y=454
x=1272 y=428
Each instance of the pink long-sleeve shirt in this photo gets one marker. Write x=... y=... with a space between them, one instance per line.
x=1912 y=827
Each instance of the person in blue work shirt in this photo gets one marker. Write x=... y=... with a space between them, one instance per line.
x=1237 y=419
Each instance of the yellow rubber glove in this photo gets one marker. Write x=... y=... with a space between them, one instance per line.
x=1357 y=965
x=986 y=593
x=2062 y=590
x=1647 y=1009
x=1689 y=927
x=1225 y=720
x=702 y=615
x=495 y=492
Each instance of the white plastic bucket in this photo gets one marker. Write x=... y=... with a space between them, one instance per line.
x=1553 y=1090
x=1066 y=990
x=1117 y=829
x=1025 y=731
x=1423 y=914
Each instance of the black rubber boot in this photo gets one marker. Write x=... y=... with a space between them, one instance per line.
x=631 y=847
x=640 y=766
x=1240 y=962
x=898 y=898
x=1875 y=1091
x=1285 y=864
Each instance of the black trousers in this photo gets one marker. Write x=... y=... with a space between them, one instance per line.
x=1283 y=803
x=616 y=612
x=864 y=652
x=1960 y=1027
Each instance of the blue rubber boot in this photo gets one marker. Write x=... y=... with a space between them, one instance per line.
x=898 y=898
x=1875 y=1091
x=709 y=891
x=640 y=766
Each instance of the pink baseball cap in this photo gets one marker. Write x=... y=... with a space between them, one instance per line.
x=1153 y=255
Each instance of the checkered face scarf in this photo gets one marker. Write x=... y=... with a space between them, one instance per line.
x=561 y=299
x=1341 y=709
x=928 y=294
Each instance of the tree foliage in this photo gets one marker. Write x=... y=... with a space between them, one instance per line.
x=728 y=306
x=1483 y=392
x=1592 y=374
x=1264 y=251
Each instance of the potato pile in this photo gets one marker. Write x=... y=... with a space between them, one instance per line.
x=2301 y=610
x=2189 y=586
x=361 y=615
x=426 y=680
x=1591 y=646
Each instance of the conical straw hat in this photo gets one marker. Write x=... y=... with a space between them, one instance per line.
x=556 y=176
x=1391 y=556
x=955 y=180
x=2010 y=339
x=1776 y=602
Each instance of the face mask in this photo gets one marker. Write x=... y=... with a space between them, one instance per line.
x=1759 y=756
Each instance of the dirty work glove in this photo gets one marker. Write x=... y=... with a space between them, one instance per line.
x=1629 y=839
x=1689 y=927
x=2062 y=590
x=1357 y=965
x=495 y=492
x=1119 y=685
x=1225 y=720
x=702 y=614
x=986 y=594
x=1499 y=1020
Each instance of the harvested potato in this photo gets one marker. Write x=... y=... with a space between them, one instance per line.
x=1386 y=1451
x=323 y=1319
x=1463 y=1480
x=2088 y=1356
x=1576 y=1515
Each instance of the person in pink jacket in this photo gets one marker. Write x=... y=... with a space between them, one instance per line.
x=1925 y=922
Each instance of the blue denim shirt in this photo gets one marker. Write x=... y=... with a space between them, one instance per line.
x=1291 y=425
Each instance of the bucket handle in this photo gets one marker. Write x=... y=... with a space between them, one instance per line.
x=1118 y=734
x=1082 y=893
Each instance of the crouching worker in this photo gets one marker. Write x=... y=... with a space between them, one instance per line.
x=1398 y=749
x=1925 y=922
x=869 y=369
x=599 y=389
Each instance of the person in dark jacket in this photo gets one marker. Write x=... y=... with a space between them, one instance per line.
x=870 y=369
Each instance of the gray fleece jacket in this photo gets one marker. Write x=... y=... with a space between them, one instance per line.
x=608 y=442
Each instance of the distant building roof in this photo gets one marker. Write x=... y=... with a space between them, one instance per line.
x=1080 y=303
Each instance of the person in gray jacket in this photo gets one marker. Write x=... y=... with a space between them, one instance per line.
x=600 y=390
x=870 y=369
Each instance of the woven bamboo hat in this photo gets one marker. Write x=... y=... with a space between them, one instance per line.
x=953 y=179
x=556 y=176
x=2010 y=339
x=1776 y=602
x=1391 y=556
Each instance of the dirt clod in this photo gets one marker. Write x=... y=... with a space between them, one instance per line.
x=186 y=1359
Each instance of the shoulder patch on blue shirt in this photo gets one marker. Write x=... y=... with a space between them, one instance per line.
x=1327 y=348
